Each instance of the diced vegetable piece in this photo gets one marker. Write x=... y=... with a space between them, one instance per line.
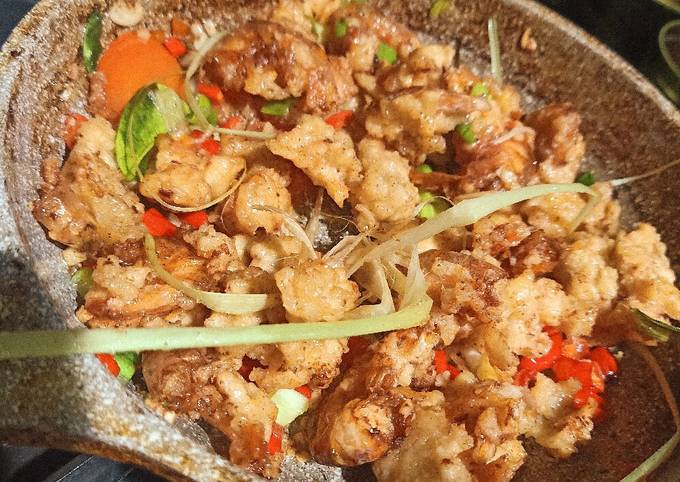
x=278 y=108
x=387 y=53
x=109 y=362
x=92 y=46
x=439 y=6
x=175 y=46
x=424 y=168
x=566 y=368
x=72 y=126
x=157 y=224
x=304 y=390
x=523 y=377
x=586 y=178
x=317 y=29
x=464 y=130
x=231 y=122
x=212 y=92
x=275 y=440
x=82 y=279
x=127 y=363
x=290 y=404
x=339 y=119
x=546 y=361
x=479 y=90
x=433 y=208
x=132 y=62
x=194 y=219
x=211 y=146
x=440 y=361
x=206 y=108
x=605 y=360
x=341 y=28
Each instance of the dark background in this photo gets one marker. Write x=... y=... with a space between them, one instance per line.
x=629 y=27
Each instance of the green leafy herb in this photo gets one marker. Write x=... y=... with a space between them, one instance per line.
x=140 y=124
x=424 y=168
x=341 y=28
x=205 y=107
x=586 y=178
x=278 y=107
x=656 y=329
x=439 y=6
x=92 y=46
x=466 y=133
x=387 y=53
x=127 y=362
x=82 y=279
x=479 y=90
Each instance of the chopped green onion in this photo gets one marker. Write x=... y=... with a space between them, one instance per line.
x=387 y=53
x=82 y=279
x=52 y=343
x=495 y=49
x=656 y=329
x=469 y=211
x=466 y=133
x=586 y=178
x=127 y=362
x=341 y=28
x=479 y=90
x=424 y=168
x=290 y=405
x=432 y=208
x=219 y=302
x=438 y=6
x=92 y=46
x=317 y=29
x=278 y=107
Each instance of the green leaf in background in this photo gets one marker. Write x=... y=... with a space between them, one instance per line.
x=140 y=124
x=92 y=47
x=82 y=279
x=278 y=107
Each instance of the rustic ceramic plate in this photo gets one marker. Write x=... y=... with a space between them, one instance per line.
x=72 y=403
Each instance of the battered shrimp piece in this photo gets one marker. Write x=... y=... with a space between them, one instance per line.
x=413 y=123
x=217 y=248
x=187 y=176
x=559 y=143
x=263 y=186
x=424 y=67
x=270 y=253
x=314 y=291
x=85 y=204
x=647 y=279
x=298 y=14
x=386 y=191
x=366 y=30
x=267 y=59
x=204 y=383
x=325 y=154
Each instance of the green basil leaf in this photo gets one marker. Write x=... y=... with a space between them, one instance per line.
x=140 y=124
x=92 y=46
x=387 y=53
x=586 y=178
x=466 y=133
x=341 y=28
x=278 y=107
x=82 y=279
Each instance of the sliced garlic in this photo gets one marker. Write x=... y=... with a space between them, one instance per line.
x=126 y=14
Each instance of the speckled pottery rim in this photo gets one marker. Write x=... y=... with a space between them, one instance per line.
x=72 y=403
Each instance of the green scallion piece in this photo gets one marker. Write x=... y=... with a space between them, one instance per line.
x=424 y=168
x=479 y=90
x=341 y=28
x=317 y=29
x=278 y=107
x=432 y=208
x=586 y=178
x=466 y=133
x=82 y=279
x=127 y=362
x=387 y=53
x=92 y=46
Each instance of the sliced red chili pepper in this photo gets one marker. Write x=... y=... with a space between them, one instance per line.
x=196 y=134
x=212 y=92
x=339 y=119
x=453 y=371
x=275 y=440
x=72 y=126
x=605 y=360
x=157 y=224
x=597 y=378
x=576 y=347
x=523 y=377
x=175 y=46
x=566 y=368
x=305 y=390
x=231 y=122
x=194 y=219
x=110 y=362
x=211 y=146
x=548 y=360
x=441 y=361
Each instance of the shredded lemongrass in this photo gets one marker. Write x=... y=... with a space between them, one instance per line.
x=191 y=70
x=52 y=343
x=345 y=246
x=293 y=227
x=217 y=200
x=220 y=302
x=512 y=133
x=395 y=278
x=312 y=226
x=238 y=132
x=666 y=450
x=495 y=50
x=415 y=286
x=469 y=212
x=653 y=172
x=372 y=277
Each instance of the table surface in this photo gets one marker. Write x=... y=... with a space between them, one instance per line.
x=629 y=27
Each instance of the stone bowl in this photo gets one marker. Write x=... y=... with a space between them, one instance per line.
x=72 y=403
